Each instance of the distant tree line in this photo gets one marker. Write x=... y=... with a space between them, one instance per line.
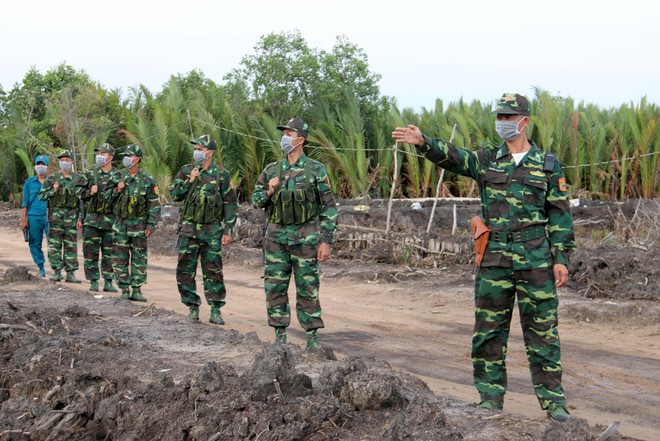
x=607 y=153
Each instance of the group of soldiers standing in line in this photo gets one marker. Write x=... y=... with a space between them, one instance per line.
x=524 y=206
x=119 y=210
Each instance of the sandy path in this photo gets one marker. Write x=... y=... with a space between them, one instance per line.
x=610 y=368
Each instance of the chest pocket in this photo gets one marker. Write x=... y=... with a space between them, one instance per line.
x=495 y=184
x=132 y=202
x=496 y=178
x=33 y=191
x=204 y=204
x=535 y=188
x=536 y=182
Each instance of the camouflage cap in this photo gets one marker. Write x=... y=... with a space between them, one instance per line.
x=512 y=104
x=205 y=141
x=65 y=154
x=296 y=124
x=105 y=148
x=133 y=150
x=41 y=158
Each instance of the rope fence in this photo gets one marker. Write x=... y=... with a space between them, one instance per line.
x=414 y=153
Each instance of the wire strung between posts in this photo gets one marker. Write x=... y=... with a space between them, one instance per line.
x=612 y=161
x=413 y=154
x=277 y=142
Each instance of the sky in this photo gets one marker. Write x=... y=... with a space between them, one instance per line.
x=601 y=52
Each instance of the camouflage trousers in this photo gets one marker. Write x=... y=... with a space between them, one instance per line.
x=129 y=250
x=95 y=241
x=280 y=260
x=495 y=292
x=63 y=247
x=192 y=249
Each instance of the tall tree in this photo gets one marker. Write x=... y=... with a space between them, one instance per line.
x=31 y=97
x=344 y=72
x=85 y=117
x=280 y=77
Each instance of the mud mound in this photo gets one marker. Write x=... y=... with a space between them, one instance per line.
x=17 y=274
x=76 y=367
x=617 y=272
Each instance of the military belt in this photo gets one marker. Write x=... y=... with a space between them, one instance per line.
x=518 y=236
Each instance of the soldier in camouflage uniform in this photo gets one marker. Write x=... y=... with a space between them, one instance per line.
x=65 y=219
x=206 y=222
x=137 y=212
x=302 y=218
x=525 y=204
x=95 y=188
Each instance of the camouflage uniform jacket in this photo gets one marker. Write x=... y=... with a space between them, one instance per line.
x=514 y=198
x=106 y=183
x=207 y=183
x=293 y=177
x=68 y=215
x=142 y=186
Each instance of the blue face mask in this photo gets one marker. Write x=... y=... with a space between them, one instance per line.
x=286 y=144
x=128 y=161
x=199 y=156
x=100 y=160
x=508 y=129
x=66 y=166
x=40 y=169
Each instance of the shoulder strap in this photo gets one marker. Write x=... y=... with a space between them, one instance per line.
x=192 y=187
x=308 y=173
x=278 y=174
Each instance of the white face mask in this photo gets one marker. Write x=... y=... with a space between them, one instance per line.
x=286 y=144
x=508 y=129
x=128 y=161
x=40 y=169
x=66 y=166
x=100 y=160
x=199 y=156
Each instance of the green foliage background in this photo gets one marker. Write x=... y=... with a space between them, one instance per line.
x=606 y=153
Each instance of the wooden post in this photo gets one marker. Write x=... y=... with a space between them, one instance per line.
x=437 y=188
x=394 y=179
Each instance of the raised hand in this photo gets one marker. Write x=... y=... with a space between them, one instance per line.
x=410 y=135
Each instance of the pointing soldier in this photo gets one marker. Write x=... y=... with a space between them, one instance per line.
x=302 y=218
x=65 y=219
x=137 y=211
x=206 y=222
x=525 y=205
x=95 y=188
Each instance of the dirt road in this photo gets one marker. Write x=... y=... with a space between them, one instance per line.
x=423 y=325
